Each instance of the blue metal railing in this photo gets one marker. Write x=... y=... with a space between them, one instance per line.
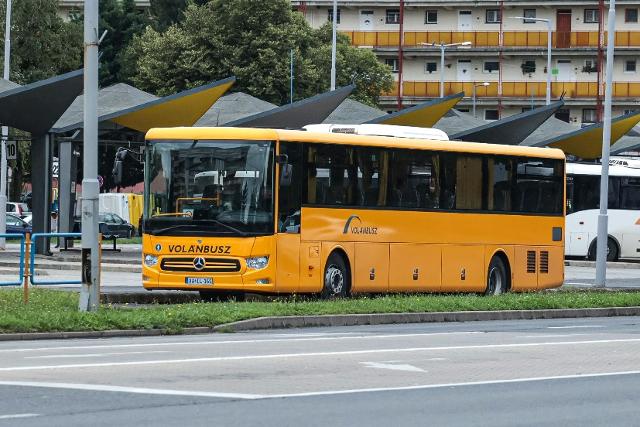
x=22 y=248
x=32 y=262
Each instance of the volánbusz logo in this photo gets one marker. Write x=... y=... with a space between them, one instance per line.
x=354 y=226
x=200 y=249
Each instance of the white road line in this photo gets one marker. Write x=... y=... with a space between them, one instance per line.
x=77 y=356
x=432 y=386
x=392 y=366
x=552 y=336
x=196 y=343
x=13 y=416
x=575 y=327
x=314 y=354
x=137 y=390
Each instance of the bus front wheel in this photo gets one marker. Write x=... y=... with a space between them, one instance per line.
x=612 y=250
x=336 y=278
x=496 y=277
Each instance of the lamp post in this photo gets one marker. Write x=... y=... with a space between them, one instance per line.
x=485 y=84
x=5 y=130
x=333 y=44
x=442 y=47
x=548 y=21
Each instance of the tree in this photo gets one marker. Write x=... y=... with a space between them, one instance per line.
x=42 y=44
x=252 y=40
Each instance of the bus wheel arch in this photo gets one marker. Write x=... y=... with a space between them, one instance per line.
x=336 y=278
x=613 y=249
x=498 y=274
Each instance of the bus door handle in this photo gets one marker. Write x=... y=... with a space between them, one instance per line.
x=415 y=273
x=463 y=274
x=372 y=274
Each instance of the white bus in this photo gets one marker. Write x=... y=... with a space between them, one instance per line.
x=583 y=207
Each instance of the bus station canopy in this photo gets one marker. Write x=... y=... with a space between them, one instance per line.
x=232 y=107
x=511 y=130
x=352 y=112
x=423 y=115
x=129 y=107
x=35 y=107
x=586 y=143
x=625 y=144
x=298 y=114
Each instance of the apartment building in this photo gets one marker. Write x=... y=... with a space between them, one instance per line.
x=506 y=56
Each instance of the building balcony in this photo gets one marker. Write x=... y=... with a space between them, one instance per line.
x=511 y=39
x=514 y=89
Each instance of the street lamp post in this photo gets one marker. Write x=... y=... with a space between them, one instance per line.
x=485 y=84
x=5 y=130
x=442 y=47
x=333 y=44
x=548 y=21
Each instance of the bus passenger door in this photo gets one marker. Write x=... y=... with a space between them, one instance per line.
x=287 y=262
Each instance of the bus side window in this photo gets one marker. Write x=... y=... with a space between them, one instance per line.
x=290 y=195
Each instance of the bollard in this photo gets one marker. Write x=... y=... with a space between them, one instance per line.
x=25 y=284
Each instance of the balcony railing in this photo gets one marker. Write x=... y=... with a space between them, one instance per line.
x=490 y=38
x=515 y=89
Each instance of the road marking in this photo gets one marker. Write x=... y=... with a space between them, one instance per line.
x=12 y=416
x=136 y=390
x=196 y=343
x=392 y=366
x=315 y=354
x=464 y=384
x=552 y=336
x=75 y=356
x=575 y=327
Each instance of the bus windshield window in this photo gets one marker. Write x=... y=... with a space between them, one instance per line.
x=213 y=187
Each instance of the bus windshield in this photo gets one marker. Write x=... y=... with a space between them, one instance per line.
x=209 y=188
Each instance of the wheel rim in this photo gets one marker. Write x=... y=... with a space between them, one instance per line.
x=495 y=281
x=334 y=278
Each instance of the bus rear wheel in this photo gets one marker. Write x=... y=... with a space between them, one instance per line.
x=612 y=250
x=336 y=278
x=496 y=277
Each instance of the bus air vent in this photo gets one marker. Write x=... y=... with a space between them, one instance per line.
x=544 y=261
x=531 y=261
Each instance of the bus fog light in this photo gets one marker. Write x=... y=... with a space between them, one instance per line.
x=146 y=278
x=257 y=263
x=262 y=281
x=150 y=260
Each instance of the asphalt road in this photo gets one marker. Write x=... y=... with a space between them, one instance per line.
x=551 y=372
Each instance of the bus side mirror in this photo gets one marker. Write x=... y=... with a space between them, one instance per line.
x=286 y=172
x=117 y=172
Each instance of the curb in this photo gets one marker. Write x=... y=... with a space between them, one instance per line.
x=168 y=297
x=592 y=264
x=68 y=266
x=282 y=322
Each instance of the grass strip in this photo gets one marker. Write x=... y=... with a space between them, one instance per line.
x=50 y=310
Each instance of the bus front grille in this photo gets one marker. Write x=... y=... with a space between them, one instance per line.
x=531 y=261
x=544 y=261
x=211 y=265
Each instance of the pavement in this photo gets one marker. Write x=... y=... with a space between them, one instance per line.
x=504 y=373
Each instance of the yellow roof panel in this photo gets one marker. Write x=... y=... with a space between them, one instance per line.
x=424 y=115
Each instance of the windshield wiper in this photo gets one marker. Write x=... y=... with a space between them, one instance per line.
x=199 y=226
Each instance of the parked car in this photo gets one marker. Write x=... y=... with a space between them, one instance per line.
x=110 y=225
x=17 y=225
x=19 y=209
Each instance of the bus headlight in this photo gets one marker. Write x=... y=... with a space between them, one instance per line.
x=150 y=260
x=257 y=263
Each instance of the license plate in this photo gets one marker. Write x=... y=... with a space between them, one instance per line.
x=198 y=281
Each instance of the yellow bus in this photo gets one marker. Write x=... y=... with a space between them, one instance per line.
x=234 y=210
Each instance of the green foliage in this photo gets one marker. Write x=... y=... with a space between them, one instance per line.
x=252 y=40
x=50 y=310
x=42 y=44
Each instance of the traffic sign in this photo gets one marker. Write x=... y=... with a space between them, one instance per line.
x=12 y=150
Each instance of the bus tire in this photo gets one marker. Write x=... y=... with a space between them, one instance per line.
x=496 y=277
x=336 y=279
x=612 y=250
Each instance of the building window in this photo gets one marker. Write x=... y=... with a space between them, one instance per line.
x=631 y=15
x=589 y=115
x=463 y=110
x=491 y=115
x=330 y=15
x=591 y=16
x=430 y=67
x=528 y=66
x=393 y=63
x=431 y=17
x=529 y=13
x=630 y=66
x=493 y=16
x=491 y=66
x=393 y=16
x=627 y=112
x=590 y=66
